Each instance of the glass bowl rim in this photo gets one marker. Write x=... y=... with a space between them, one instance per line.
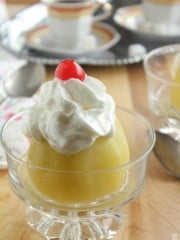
x=125 y=165
x=161 y=51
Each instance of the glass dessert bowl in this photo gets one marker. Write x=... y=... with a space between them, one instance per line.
x=162 y=68
x=76 y=159
x=86 y=203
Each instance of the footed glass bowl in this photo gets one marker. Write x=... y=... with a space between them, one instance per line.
x=162 y=68
x=77 y=205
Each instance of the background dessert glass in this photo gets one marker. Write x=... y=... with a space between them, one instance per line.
x=162 y=68
x=100 y=215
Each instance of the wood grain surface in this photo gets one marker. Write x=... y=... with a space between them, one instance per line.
x=154 y=215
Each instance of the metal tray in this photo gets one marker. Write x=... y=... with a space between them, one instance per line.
x=14 y=30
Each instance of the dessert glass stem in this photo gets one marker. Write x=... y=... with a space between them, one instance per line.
x=73 y=225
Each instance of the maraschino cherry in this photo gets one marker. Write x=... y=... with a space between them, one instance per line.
x=69 y=69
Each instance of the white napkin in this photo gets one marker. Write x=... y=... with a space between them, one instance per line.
x=3 y=10
x=11 y=106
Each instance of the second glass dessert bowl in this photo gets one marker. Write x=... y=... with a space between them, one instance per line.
x=81 y=204
x=162 y=68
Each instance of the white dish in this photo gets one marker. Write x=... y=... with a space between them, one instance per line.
x=104 y=35
x=132 y=19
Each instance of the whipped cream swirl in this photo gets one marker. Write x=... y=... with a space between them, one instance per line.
x=72 y=114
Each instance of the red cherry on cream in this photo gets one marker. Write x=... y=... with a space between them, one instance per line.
x=69 y=69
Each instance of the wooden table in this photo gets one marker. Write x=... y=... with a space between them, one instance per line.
x=154 y=215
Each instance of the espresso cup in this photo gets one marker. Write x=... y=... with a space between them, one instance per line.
x=70 y=21
x=162 y=11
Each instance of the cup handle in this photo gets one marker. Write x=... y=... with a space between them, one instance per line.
x=106 y=11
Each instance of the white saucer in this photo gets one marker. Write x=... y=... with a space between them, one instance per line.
x=39 y=39
x=132 y=19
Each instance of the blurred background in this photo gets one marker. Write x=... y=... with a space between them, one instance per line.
x=115 y=2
